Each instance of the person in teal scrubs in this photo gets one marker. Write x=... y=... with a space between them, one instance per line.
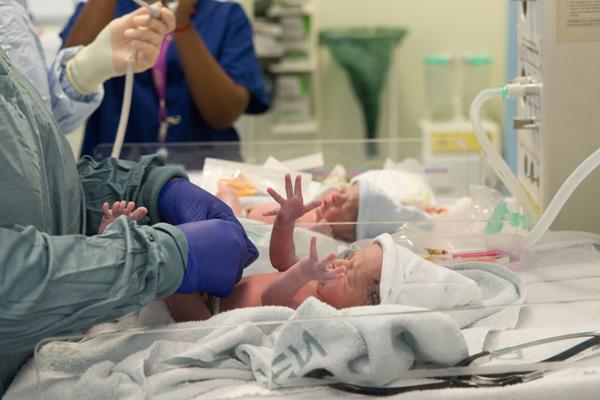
x=57 y=276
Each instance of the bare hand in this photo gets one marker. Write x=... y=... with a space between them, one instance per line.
x=120 y=208
x=293 y=207
x=321 y=270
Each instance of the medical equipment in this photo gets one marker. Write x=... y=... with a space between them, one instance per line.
x=128 y=91
x=440 y=92
x=557 y=126
x=517 y=90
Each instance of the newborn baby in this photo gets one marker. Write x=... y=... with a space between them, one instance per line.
x=365 y=200
x=382 y=267
x=339 y=282
x=336 y=206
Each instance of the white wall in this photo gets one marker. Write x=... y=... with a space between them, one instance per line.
x=434 y=26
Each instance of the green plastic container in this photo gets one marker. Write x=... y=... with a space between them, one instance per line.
x=365 y=54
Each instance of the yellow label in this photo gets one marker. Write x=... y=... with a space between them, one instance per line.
x=455 y=142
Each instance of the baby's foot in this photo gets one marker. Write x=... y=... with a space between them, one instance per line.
x=118 y=209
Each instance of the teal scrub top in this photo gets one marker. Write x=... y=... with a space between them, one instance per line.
x=56 y=275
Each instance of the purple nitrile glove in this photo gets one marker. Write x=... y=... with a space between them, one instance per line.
x=180 y=202
x=218 y=252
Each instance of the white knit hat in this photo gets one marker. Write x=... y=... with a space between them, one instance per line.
x=375 y=205
x=401 y=186
x=411 y=280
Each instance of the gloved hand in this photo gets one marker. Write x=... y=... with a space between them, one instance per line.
x=135 y=35
x=180 y=201
x=218 y=252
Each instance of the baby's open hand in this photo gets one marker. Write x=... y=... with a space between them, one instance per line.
x=293 y=207
x=321 y=270
x=120 y=208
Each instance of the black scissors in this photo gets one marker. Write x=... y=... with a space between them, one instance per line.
x=487 y=380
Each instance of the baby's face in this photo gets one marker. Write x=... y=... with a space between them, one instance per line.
x=360 y=285
x=341 y=206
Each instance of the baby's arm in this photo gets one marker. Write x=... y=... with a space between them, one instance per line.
x=282 y=289
x=230 y=197
x=187 y=307
x=118 y=209
x=282 y=250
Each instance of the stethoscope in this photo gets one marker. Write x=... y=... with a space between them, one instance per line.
x=487 y=380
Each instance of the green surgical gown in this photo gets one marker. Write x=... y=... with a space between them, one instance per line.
x=56 y=275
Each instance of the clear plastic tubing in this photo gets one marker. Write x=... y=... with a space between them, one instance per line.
x=561 y=197
x=496 y=161
x=510 y=180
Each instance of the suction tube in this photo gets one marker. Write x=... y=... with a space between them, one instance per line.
x=561 y=197
x=125 y=108
x=496 y=161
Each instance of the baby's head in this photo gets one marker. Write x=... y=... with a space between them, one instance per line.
x=385 y=272
x=388 y=197
x=360 y=284
x=340 y=206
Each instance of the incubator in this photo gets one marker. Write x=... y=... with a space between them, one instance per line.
x=515 y=306
x=522 y=328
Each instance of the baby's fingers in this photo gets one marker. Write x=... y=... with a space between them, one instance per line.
x=105 y=209
x=139 y=213
x=116 y=209
x=289 y=190
x=129 y=208
x=276 y=196
x=328 y=260
x=312 y=206
x=298 y=185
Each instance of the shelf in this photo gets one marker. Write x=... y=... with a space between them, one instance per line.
x=294 y=67
x=279 y=11
x=310 y=127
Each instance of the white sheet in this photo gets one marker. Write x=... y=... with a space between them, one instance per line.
x=562 y=275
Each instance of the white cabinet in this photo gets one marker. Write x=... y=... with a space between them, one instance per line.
x=286 y=40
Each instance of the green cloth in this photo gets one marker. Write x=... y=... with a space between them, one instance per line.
x=55 y=277
x=365 y=54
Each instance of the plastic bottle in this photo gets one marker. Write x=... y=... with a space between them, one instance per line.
x=477 y=70
x=439 y=74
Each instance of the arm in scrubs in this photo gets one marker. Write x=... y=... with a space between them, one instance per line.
x=53 y=278
x=212 y=75
x=23 y=47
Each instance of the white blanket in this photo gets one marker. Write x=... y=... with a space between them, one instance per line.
x=276 y=346
x=182 y=362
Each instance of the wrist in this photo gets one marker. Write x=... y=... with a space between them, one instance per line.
x=284 y=223
x=184 y=19
x=91 y=66
x=184 y=27
x=302 y=271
